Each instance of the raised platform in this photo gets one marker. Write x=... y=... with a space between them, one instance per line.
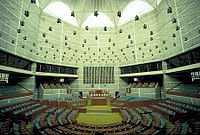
x=99 y=112
x=98 y=115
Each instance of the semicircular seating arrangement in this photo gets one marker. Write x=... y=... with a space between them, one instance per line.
x=58 y=120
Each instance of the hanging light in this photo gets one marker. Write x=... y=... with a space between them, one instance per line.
x=72 y=13
x=120 y=30
x=174 y=20
x=26 y=13
x=145 y=26
x=177 y=28
x=22 y=23
x=44 y=34
x=86 y=28
x=119 y=13
x=131 y=41
x=59 y=20
x=136 y=18
x=169 y=10
x=74 y=32
x=105 y=28
x=50 y=28
x=46 y=41
x=18 y=30
x=33 y=1
x=96 y=13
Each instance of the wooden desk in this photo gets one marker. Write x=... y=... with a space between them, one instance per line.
x=98 y=102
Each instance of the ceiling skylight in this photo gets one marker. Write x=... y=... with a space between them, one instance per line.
x=37 y=3
x=136 y=7
x=158 y=2
x=62 y=11
x=100 y=21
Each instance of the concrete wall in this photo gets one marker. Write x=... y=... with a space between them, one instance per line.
x=146 y=92
x=186 y=14
x=12 y=12
x=78 y=85
x=52 y=94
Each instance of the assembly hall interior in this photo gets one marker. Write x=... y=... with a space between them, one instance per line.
x=78 y=67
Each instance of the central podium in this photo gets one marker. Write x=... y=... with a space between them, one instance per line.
x=99 y=97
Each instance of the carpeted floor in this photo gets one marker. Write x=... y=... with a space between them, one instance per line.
x=99 y=119
x=99 y=115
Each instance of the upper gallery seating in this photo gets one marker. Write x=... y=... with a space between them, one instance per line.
x=46 y=86
x=194 y=89
x=139 y=85
x=129 y=98
x=142 y=85
x=54 y=86
x=145 y=85
x=68 y=98
x=10 y=90
x=187 y=89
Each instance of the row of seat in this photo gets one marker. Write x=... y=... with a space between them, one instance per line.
x=18 y=127
x=139 y=110
x=5 y=127
x=128 y=116
x=177 y=128
x=17 y=106
x=164 y=109
x=105 y=126
x=51 y=116
x=26 y=108
x=174 y=107
x=23 y=129
x=100 y=130
x=70 y=115
x=146 y=109
x=117 y=104
x=62 y=101
x=54 y=119
x=61 y=115
x=138 y=116
x=143 y=85
x=123 y=115
x=34 y=110
x=84 y=128
x=55 y=86
x=185 y=105
x=161 y=120
x=147 y=120
x=132 y=99
x=184 y=128
x=142 y=118
x=138 y=102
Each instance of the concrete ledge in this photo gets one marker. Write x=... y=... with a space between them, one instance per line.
x=55 y=74
x=16 y=70
x=142 y=74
